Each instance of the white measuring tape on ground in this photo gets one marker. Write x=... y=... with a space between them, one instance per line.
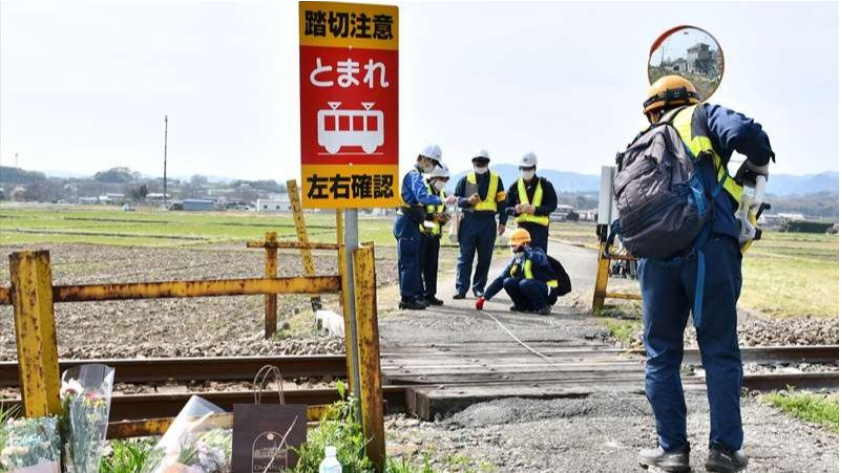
x=550 y=362
x=521 y=342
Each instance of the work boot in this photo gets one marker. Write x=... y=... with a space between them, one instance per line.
x=431 y=300
x=546 y=310
x=721 y=460
x=477 y=294
x=458 y=297
x=411 y=304
x=672 y=462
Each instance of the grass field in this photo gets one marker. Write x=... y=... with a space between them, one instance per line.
x=158 y=228
x=788 y=274
x=785 y=274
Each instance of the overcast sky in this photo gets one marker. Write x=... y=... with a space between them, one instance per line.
x=85 y=86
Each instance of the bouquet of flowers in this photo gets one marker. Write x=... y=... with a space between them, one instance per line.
x=198 y=441
x=86 y=401
x=30 y=445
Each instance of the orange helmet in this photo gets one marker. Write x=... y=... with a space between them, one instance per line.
x=670 y=90
x=519 y=237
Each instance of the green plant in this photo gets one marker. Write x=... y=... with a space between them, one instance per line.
x=338 y=428
x=811 y=407
x=127 y=456
x=403 y=466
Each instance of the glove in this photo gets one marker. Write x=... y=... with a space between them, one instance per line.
x=748 y=172
x=480 y=303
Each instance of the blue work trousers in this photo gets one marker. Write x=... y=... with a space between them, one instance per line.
x=408 y=236
x=477 y=234
x=668 y=289
x=529 y=294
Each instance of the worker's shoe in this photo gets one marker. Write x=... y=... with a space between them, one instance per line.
x=477 y=294
x=458 y=297
x=517 y=308
x=433 y=301
x=412 y=304
x=546 y=310
x=672 y=462
x=721 y=460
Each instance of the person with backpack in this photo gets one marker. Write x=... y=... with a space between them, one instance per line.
x=415 y=196
x=676 y=202
x=531 y=199
x=530 y=278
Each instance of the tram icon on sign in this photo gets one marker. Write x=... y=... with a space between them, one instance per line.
x=341 y=128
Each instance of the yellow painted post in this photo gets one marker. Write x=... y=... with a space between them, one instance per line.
x=368 y=341
x=301 y=231
x=270 y=301
x=601 y=285
x=35 y=330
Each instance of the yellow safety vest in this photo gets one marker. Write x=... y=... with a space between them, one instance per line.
x=523 y=197
x=693 y=135
x=493 y=196
x=527 y=273
x=433 y=209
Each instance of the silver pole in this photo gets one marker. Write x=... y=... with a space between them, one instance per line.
x=352 y=241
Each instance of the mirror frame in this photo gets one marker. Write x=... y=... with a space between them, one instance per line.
x=666 y=34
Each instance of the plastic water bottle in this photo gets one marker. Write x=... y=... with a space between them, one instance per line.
x=330 y=464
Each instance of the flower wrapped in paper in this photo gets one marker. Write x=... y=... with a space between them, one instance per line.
x=198 y=441
x=30 y=445
x=86 y=402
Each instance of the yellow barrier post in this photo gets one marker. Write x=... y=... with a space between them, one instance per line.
x=270 y=301
x=301 y=231
x=35 y=330
x=368 y=341
x=601 y=285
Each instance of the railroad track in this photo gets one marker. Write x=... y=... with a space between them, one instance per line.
x=420 y=379
x=146 y=370
x=446 y=378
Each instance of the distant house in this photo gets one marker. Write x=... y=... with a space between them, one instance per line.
x=792 y=217
x=88 y=200
x=278 y=203
x=112 y=198
x=157 y=196
x=700 y=60
x=197 y=205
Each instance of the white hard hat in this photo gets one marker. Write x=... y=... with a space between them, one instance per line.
x=440 y=171
x=433 y=152
x=529 y=160
x=481 y=154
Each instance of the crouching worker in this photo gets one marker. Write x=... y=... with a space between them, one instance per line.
x=530 y=279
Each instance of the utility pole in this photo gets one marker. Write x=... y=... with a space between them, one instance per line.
x=165 y=162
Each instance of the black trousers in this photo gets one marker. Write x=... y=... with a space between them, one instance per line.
x=429 y=264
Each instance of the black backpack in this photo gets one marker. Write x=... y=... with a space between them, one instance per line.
x=564 y=286
x=661 y=200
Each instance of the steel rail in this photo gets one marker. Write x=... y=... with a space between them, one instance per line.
x=145 y=370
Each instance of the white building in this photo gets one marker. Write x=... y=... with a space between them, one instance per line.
x=278 y=204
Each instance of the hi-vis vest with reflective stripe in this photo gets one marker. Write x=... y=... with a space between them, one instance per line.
x=523 y=197
x=527 y=273
x=693 y=135
x=491 y=199
x=433 y=209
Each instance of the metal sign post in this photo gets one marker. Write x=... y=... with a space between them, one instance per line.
x=352 y=242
